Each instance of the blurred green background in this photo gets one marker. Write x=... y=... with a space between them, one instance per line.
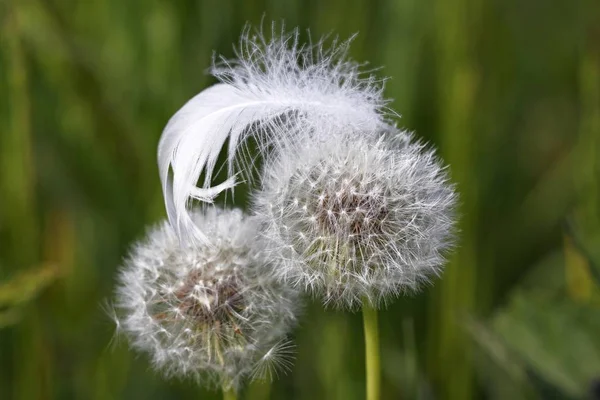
x=508 y=90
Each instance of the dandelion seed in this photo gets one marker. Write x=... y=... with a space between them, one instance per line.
x=279 y=359
x=212 y=312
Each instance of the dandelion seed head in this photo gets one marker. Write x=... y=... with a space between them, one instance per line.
x=354 y=216
x=209 y=312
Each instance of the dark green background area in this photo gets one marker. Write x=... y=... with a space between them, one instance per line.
x=508 y=90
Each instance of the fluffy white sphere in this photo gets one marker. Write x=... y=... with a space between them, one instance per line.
x=213 y=311
x=354 y=216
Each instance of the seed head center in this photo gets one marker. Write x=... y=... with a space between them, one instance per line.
x=351 y=212
x=212 y=300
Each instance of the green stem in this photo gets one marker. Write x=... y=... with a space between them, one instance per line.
x=229 y=394
x=371 y=350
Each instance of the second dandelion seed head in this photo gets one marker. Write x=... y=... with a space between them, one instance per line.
x=214 y=311
x=352 y=216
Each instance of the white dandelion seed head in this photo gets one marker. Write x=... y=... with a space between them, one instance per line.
x=352 y=216
x=212 y=312
x=275 y=90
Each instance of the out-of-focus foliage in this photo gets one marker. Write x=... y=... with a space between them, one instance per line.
x=508 y=90
x=21 y=290
x=545 y=340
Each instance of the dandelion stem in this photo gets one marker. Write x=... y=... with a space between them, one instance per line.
x=371 y=350
x=229 y=393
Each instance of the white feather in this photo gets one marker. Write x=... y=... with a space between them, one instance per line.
x=274 y=91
